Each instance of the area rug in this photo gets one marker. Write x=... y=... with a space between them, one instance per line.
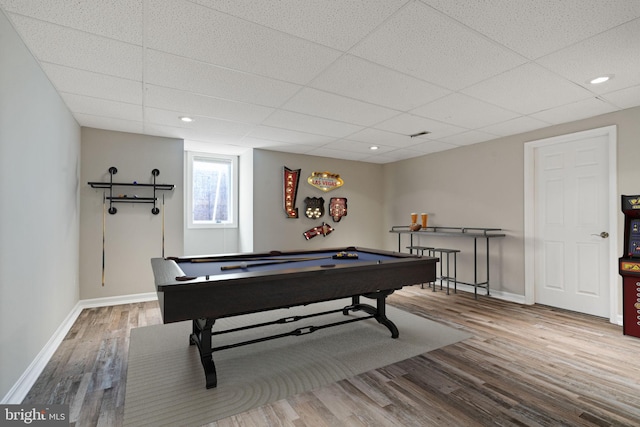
x=165 y=379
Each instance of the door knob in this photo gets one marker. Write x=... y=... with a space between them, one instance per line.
x=604 y=234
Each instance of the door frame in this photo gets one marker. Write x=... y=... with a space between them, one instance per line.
x=529 y=213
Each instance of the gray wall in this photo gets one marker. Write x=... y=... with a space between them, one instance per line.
x=272 y=230
x=133 y=234
x=482 y=185
x=39 y=209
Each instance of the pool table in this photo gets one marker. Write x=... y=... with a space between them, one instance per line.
x=205 y=288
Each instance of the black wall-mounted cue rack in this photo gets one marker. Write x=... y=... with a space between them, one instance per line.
x=131 y=198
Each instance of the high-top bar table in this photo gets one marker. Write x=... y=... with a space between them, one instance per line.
x=463 y=232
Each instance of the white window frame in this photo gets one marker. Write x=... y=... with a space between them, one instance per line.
x=233 y=191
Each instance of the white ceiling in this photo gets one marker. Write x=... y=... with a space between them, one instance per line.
x=334 y=77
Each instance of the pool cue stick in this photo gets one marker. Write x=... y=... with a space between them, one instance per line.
x=281 y=261
x=215 y=259
x=163 y=226
x=104 y=220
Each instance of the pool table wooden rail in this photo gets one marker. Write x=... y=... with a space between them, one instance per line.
x=287 y=286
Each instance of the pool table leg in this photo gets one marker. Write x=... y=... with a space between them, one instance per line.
x=201 y=337
x=379 y=312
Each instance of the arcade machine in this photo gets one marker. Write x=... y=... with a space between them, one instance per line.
x=630 y=266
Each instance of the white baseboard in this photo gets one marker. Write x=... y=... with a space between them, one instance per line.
x=507 y=296
x=19 y=391
x=618 y=320
x=123 y=299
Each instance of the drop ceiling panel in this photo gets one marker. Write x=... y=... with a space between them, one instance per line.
x=186 y=29
x=394 y=156
x=288 y=136
x=330 y=106
x=595 y=57
x=464 y=111
x=360 y=79
x=338 y=24
x=468 y=138
x=102 y=107
x=421 y=42
x=536 y=28
x=201 y=124
x=576 y=111
x=310 y=124
x=333 y=153
x=202 y=133
x=96 y=85
x=204 y=106
x=261 y=143
x=409 y=124
x=376 y=136
x=109 y=123
x=356 y=147
x=77 y=49
x=428 y=147
x=115 y=19
x=528 y=89
x=291 y=148
x=515 y=126
x=177 y=72
x=625 y=98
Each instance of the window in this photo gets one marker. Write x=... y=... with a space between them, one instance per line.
x=211 y=190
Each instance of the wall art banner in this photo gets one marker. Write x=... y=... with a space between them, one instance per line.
x=314 y=207
x=291 y=179
x=337 y=208
x=323 y=229
x=325 y=181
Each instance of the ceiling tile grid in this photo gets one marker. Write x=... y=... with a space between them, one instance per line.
x=72 y=48
x=193 y=31
x=618 y=49
x=163 y=69
x=427 y=45
x=114 y=19
x=534 y=28
x=366 y=81
x=197 y=105
x=102 y=107
x=337 y=23
x=334 y=78
x=95 y=85
x=527 y=89
x=330 y=106
x=464 y=111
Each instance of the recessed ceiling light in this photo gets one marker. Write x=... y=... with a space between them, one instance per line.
x=373 y=147
x=186 y=119
x=601 y=79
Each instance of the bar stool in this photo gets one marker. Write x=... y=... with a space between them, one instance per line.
x=448 y=277
x=422 y=249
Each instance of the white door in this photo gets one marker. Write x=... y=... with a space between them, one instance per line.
x=571 y=209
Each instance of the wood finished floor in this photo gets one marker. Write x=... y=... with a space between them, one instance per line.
x=524 y=366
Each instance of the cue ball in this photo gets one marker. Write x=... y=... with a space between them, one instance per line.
x=243 y=265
